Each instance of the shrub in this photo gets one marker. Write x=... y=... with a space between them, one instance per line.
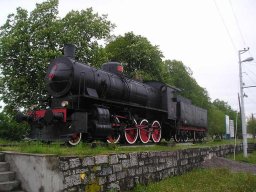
x=10 y=129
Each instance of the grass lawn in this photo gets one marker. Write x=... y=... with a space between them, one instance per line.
x=204 y=180
x=81 y=149
x=240 y=157
x=86 y=149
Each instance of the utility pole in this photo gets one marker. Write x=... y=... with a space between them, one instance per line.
x=244 y=131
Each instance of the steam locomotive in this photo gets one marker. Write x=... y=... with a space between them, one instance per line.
x=89 y=103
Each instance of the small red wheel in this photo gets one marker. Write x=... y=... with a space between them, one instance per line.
x=115 y=136
x=131 y=133
x=75 y=139
x=156 y=131
x=144 y=131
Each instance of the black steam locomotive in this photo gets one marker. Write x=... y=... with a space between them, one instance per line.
x=89 y=103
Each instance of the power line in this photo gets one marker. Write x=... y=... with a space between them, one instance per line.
x=223 y=21
x=238 y=26
x=237 y=23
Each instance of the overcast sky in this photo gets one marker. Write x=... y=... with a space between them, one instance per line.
x=204 y=34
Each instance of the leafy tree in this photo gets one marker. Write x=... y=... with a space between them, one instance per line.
x=140 y=57
x=216 y=121
x=181 y=77
x=29 y=41
x=85 y=29
x=222 y=105
x=10 y=129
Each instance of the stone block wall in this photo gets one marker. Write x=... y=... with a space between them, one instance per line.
x=124 y=171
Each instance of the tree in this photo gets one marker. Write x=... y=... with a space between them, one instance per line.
x=140 y=57
x=222 y=105
x=29 y=41
x=181 y=77
x=227 y=110
x=216 y=121
x=10 y=129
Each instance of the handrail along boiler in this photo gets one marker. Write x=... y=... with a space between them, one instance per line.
x=91 y=103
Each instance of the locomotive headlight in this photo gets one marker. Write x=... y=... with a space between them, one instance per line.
x=64 y=103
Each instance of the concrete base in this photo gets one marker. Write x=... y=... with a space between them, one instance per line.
x=36 y=172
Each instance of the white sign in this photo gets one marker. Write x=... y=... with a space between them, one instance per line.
x=231 y=128
x=227 y=124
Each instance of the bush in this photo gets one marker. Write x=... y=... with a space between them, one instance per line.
x=10 y=129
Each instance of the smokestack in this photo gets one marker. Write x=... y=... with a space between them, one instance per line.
x=69 y=50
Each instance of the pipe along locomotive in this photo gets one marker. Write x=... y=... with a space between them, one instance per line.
x=89 y=103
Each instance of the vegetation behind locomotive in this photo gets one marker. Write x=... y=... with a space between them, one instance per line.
x=90 y=103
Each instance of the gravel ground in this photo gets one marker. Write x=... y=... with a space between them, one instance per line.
x=220 y=162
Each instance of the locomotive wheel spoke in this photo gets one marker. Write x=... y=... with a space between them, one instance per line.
x=75 y=139
x=156 y=131
x=177 y=138
x=195 y=136
x=144 y=131
x=131 y=133
x=115 y=136
x=185 y=137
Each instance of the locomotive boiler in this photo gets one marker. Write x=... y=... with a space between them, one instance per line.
x=85 y=102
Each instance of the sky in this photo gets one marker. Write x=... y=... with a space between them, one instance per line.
x=204 y=34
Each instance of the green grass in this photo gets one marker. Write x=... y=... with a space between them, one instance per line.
x=86 y=149
x=4 y=141
x=81 y=149
x=240 y=157
x=204 y=180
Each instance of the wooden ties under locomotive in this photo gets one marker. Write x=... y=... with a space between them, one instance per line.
x=89 y=103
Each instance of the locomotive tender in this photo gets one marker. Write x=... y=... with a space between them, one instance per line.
x=91 y=103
